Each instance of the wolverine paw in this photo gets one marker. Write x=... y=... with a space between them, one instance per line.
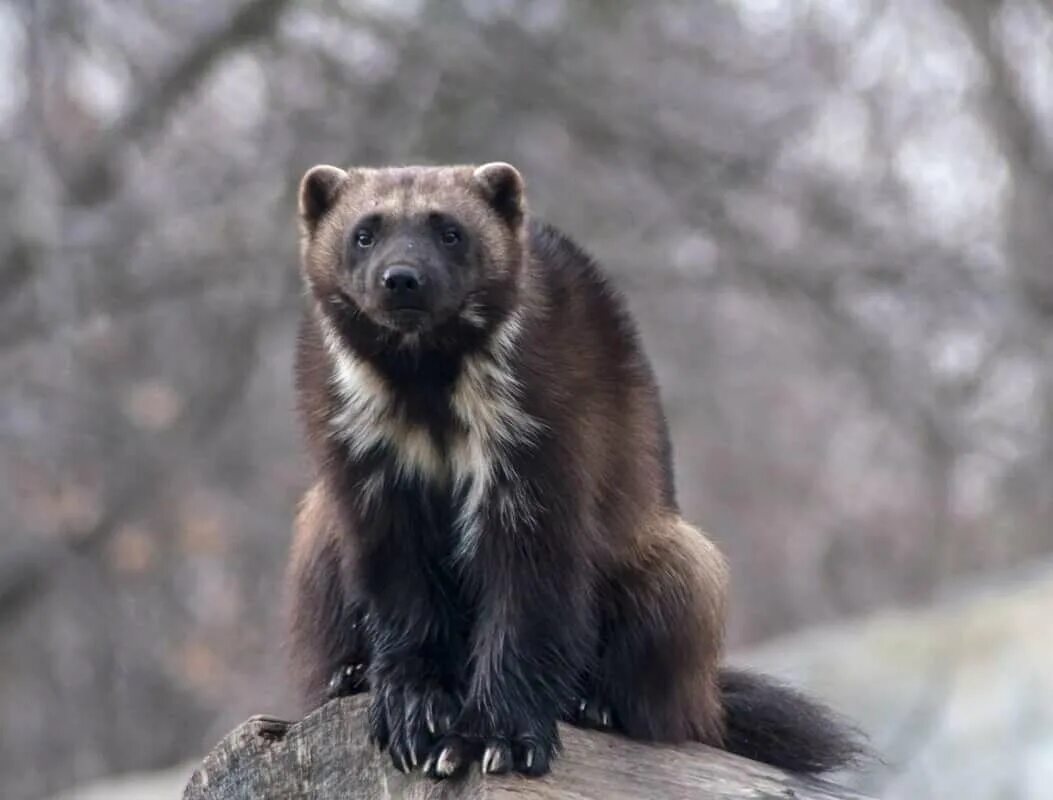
x=454 y=754
x=406 y=719
x=496 y=752
x=593 y=713
x=348 y=680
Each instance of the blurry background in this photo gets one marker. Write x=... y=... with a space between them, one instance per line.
x=833 y=220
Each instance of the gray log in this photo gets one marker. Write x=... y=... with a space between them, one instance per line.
x=326 y=756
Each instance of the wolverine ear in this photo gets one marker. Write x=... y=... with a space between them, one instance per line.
x=502 y=186
x=318 y=191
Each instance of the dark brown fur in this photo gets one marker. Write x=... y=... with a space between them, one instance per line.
x=493 y=527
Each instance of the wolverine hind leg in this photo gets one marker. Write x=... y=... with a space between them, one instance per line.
x=661 y=640
x=329 y=646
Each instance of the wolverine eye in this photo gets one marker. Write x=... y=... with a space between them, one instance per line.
x=364 y=238
x=450 y=237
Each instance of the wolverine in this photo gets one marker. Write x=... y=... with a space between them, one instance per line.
x=492 y=541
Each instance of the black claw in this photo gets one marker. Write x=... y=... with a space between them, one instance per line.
x=497 y=758
x=400 y=752
x=532 y=758
x=449 y=758
x=347 y=680
x=400 y=758
x=593 y=714
x=439 y=711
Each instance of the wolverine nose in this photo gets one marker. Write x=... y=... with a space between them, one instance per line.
x=403 y=282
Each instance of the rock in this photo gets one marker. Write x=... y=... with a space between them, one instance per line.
x=958 y=699
x=326 y=756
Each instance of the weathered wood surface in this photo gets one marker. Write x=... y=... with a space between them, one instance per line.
x=326 y=756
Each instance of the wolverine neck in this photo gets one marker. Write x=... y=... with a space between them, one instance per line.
x=440 y=386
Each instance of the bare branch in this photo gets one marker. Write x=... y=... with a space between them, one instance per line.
x=96 y=177
x=26 y=572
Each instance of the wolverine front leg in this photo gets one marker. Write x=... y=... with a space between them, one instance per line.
x=534 y=633
x=417 y=644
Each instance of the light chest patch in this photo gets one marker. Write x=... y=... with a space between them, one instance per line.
x=485 y=399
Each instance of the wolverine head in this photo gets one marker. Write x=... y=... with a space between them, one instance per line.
x=413 y=254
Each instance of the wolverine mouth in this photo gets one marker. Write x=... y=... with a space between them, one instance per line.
x=408 y=318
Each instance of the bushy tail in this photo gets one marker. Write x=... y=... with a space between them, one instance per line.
x=779 y=726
